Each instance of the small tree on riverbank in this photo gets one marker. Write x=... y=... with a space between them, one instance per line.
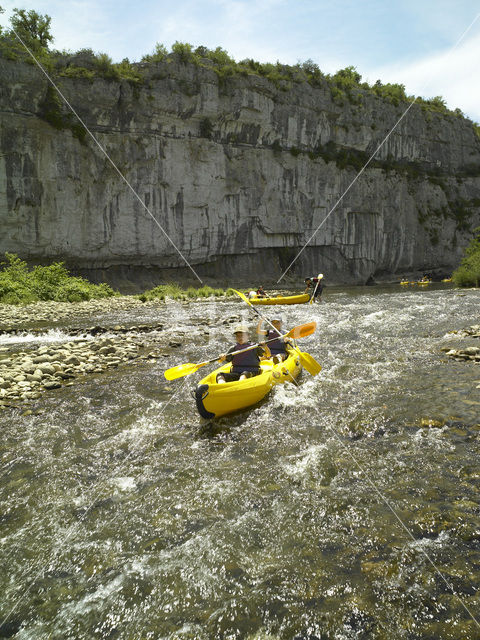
x=468 y=273
x=19 y=285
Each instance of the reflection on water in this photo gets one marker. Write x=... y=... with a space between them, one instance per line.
x=124 y=515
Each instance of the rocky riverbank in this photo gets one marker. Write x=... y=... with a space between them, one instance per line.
x=24 y=375
x=27 y=373
x=471 y=353
x=12 y=317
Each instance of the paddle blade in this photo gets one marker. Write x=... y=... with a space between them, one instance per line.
x=242 y=296
x=302 y=330
x=309 y=363
x=182 y=370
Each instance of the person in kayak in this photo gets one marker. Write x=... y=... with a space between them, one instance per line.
x=246 y=364
x=278 y=348
x=261 y=293
x=316 y=287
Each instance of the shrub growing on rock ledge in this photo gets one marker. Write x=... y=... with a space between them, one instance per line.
x=19 y=285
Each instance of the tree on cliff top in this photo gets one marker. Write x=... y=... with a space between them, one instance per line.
x=32 y=27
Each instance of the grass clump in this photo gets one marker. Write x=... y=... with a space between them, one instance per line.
x=468 y=273
x=19 y=285
x=175 y=292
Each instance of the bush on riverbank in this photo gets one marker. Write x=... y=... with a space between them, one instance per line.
x=19 y=285
x=468 y=273
x=174 y=291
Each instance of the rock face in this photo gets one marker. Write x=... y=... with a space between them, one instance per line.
x=238 y=173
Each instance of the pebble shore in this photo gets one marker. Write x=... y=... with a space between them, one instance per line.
x=26 y=374
x=13 y=316
x=466 y=353
x=469 y=353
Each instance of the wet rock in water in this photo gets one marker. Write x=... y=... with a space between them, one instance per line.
x=46 y=368
x=106 y=350
x=40 y=359
x=172 y=343
x=430 y=422
x=52 y=385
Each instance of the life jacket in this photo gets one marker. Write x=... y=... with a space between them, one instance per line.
x=278 y=345
x=247 y=361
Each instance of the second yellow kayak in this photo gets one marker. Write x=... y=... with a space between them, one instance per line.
x=298 y=299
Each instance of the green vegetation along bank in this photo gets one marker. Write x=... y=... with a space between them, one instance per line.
x=21 y=285
x=468 y=273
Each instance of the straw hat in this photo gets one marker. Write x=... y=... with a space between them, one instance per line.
x=240 y=328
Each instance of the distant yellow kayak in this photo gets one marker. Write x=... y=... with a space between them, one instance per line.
x=214 y=400
x=298 y=299
x=424 y=282
x=447 y=280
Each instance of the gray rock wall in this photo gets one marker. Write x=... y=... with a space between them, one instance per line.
x=234 y=173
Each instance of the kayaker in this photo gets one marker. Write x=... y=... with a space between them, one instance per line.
x=252 y=295
x=246 y=364
x=279 y=347
x=316 y=285
x=261 y=293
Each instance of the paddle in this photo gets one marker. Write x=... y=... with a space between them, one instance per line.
x=182 y=370
x=312 y=299
x=308 y=362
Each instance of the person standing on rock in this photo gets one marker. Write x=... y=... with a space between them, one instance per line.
x=315 y=286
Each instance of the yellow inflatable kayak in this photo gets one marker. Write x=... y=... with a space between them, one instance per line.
x=298 y=299
x=214 y=400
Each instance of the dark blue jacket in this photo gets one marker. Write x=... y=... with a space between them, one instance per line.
x=248 y=361
x=278 y=345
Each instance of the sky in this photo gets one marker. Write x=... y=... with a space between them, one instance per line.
x=412 y=42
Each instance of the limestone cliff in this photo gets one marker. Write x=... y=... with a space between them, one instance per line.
x=238 y=172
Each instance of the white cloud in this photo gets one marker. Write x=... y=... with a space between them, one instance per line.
x=454 y=75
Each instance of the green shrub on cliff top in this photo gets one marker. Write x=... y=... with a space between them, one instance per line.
x=345 y=85
x=19 y=285
x=468 y=273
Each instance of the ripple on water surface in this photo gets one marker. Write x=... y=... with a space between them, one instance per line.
x=124 y=515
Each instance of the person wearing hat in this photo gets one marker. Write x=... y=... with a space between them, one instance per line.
x=261 y=293
x=279 y=346
x=316 y=285
x=246 y=364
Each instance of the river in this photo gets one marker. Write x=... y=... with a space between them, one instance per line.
x=344 y=508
